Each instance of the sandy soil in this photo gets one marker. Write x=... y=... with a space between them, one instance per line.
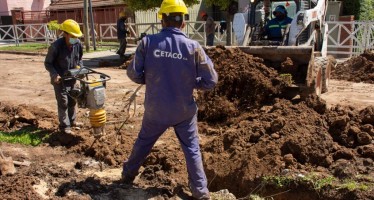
x=242 y=143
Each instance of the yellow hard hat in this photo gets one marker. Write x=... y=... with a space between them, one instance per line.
x=172 y=6
x=122 y=14
x=72 y=27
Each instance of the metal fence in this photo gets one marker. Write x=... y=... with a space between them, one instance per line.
x=106 y=32
x=194 y=30
x=350 y=38
x=344 y=38
x=25 y=33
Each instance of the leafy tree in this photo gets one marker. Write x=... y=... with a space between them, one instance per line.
x=227 y=5
x=231 y=7
x=351 y=7
x=53 y=25
x=366 y=10
x=223 y=4
x=152 y=4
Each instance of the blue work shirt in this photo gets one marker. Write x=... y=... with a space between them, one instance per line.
x=61 y=58
x=273 y=28
x=172 y=66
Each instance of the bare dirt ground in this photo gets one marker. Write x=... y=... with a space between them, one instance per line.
x=247 y=132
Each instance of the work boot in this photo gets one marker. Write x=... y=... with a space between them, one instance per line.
x=77 y=125
x=67 y=131
x=202 y=198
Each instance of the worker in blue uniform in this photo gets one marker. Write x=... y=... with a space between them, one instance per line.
x=171 y=66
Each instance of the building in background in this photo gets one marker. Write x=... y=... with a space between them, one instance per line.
x=104 y=11
x=34 y=8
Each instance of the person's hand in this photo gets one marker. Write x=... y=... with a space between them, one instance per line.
x=57 y=79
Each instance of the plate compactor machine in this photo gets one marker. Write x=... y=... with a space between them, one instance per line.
x=89 y=92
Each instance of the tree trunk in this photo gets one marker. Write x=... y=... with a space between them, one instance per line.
x=229 y=29
x=85 y=26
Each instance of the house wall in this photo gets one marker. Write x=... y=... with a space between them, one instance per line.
x=4 y=10
x=150 y=16
x=28 y=5
x=243 y=5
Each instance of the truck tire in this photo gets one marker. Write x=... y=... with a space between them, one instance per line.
x=325 y=64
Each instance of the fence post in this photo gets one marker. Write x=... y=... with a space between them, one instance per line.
x=16 y=35
x=367 y=35
x=46 y=31
x=231 y=34
x=204 y=34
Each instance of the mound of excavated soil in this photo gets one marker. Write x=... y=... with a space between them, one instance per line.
x=356 y=69
x=244 y=83
x=288 y=137
x=15 y=117
x=255 y=134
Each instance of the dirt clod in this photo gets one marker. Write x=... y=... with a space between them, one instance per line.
x=7 y=166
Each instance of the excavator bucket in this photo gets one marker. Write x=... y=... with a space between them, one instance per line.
x=295 y=61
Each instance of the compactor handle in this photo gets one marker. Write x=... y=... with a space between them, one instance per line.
x=83 y=72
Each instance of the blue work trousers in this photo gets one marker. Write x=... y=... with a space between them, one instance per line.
x=187 y=134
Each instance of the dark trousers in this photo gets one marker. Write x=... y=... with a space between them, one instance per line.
x=122 y=46
x=210 y=39
x=65 y=106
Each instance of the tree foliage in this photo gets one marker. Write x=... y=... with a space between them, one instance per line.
x=152 y=4
x=351 y=7
x=223 y=4
x=366 y=10
x=53 y=25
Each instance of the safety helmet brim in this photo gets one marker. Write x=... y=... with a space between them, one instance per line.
x=172 y=6
x=72 y=27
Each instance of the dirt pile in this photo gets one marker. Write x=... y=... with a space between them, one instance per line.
x=126 y=61
x=14 y=117
x=290 y=138
x=252 y=134
x=18 y=187
x=244 y=83
x=356 y=69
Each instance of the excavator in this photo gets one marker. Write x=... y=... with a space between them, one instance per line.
x=301 y=54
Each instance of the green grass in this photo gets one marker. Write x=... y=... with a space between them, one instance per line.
x=278 y=181
x=43 y=47
x=287 y=78
x=318 y=182
x=352 y=185
x=26 y=47
x=27 y=136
